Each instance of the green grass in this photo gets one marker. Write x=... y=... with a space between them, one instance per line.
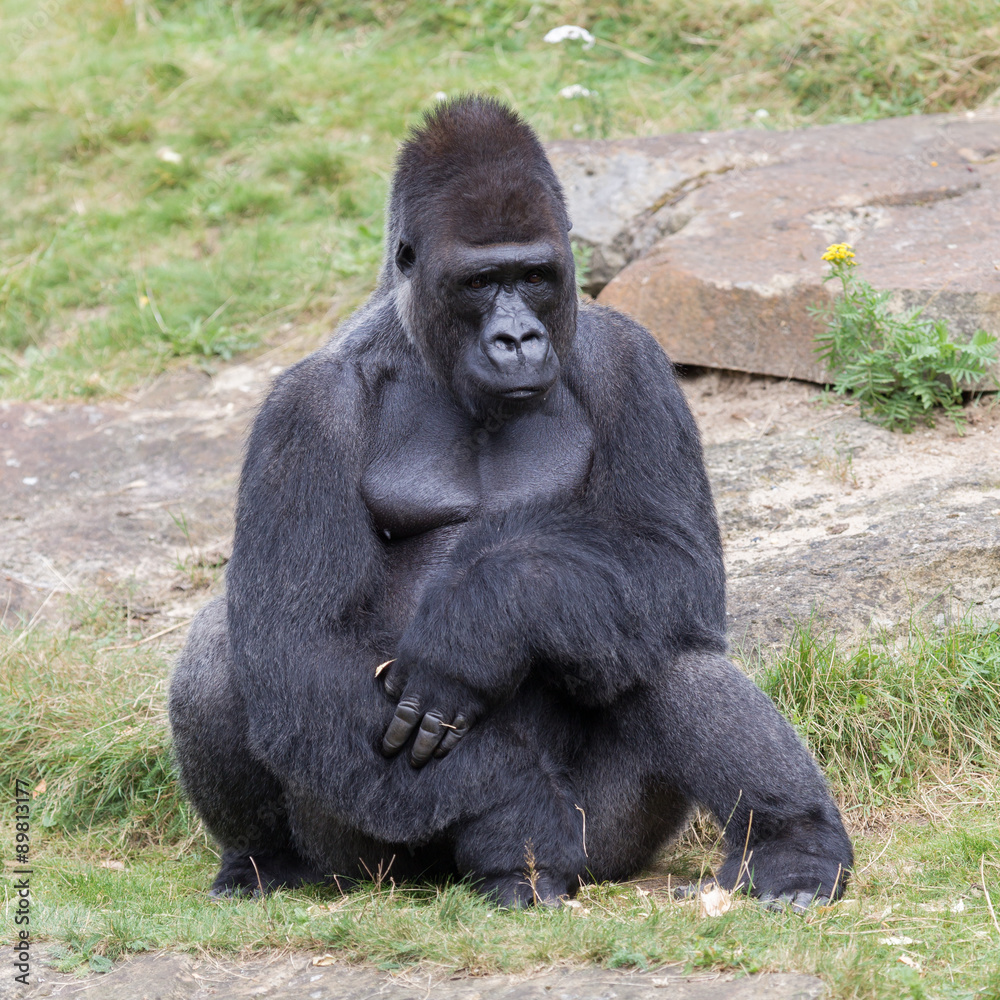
x=184 y=180
x=896 y=714
x=907 y=727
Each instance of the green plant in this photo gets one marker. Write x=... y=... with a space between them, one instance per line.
x=900 y=367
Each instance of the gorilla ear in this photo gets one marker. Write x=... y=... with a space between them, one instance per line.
x=405 y=257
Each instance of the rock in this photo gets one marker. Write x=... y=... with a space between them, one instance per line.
x=713 y=240
x=625 y=195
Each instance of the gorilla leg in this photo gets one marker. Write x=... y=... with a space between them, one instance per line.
x=239 y=800
x=498 y=798
x=630 y=808
x=513 y=830
x=527 y=846
x=349 y=856
x=728 y=748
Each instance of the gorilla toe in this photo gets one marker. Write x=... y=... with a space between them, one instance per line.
x=516 y=891
x=797 y=902
x=244 y=875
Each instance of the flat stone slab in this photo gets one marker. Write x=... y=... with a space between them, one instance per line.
x=713 y=240
x=174 y=976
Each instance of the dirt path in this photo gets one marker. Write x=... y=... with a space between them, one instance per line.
x=170 y=976
x=821 y=512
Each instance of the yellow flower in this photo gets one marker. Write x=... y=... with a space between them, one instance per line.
x=839 y=253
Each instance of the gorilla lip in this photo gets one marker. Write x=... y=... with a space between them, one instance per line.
x=525 y=392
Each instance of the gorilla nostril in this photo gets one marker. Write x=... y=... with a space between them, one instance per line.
x=507 y=342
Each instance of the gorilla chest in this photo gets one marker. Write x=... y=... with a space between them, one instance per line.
x=438 y=470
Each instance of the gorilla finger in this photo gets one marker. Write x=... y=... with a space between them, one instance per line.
x=403 y=723
x=802 y=900
x=395 y=683
x=452 y=735
x=428 y=737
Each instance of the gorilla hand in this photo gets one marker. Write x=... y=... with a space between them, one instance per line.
x=440 y=710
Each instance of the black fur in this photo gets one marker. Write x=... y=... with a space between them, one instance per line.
x=506 y=497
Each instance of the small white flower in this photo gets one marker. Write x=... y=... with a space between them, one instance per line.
x=762 y=113
x=440 y=95
x=575 y=90
x=570 y=32
x=168 y=155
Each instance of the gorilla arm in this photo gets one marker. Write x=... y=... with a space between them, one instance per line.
x=305 y=562
x=596 y=595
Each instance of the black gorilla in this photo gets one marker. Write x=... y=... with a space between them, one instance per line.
x=502 y=494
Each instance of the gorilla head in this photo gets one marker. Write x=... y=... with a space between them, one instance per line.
x=479 y=258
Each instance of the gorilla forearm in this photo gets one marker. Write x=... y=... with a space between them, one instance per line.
x=598 y=614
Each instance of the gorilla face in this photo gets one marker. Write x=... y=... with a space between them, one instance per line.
x=489 y=319
x=479 y=259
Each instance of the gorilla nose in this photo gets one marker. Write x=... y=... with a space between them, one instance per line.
x=509 y=350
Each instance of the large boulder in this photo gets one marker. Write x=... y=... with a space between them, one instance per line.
x=713 y=240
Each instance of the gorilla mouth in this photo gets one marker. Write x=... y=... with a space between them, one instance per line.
x=525 y=392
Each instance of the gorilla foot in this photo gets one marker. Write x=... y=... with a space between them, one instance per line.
x=516 y=891
x=260 y=873
x=780 y=873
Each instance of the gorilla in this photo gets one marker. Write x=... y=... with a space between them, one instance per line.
x=474 y=621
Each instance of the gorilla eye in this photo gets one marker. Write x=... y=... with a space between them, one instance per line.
x=479 y=281
x=534 y=277
x=405 y=257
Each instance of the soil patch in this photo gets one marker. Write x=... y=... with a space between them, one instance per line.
x=171 y=976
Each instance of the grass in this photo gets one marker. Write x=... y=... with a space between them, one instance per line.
x=907 y=727
x=187 y=179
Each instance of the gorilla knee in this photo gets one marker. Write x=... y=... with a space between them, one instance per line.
x=202 y=695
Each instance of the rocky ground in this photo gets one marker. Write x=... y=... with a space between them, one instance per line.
x=823 y=514
x=168 y=976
